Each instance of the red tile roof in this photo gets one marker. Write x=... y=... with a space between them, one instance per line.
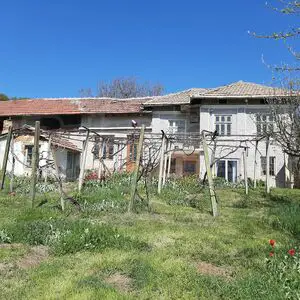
x=69 y=106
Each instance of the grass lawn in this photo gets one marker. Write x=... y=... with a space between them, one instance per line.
x=177 y=251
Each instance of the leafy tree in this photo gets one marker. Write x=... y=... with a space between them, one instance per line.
x=3 y=97
x=124 y=88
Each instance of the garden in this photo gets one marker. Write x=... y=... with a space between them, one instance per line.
x=171 y=247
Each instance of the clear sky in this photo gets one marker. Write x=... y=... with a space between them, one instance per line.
x=54 y=48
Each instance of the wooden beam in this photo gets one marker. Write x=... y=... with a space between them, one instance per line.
x=5 y=157
x=131 y=206
x=48 y=158
x=165 y=164
x=62 y=201
x=212 y=193
x=101 y=150
x=35 y=162
x=169 y=161
x=161 y=163
x=268 y=165
x=255 y=165
x=12 y=174
x=83 y=161
x=245 y=154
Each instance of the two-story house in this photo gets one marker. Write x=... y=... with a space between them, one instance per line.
x=239 y=113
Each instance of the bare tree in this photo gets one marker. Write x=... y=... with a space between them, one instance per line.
x=285 y=108
x=291 y=8
x=123 y=87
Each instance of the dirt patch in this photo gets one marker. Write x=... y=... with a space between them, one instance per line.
x=210 y=269
x=163 y=241
x=11 y=246
x=119 y=281
x=4 y=267
x=36 y=255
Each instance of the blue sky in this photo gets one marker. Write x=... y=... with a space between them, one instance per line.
x=54 y=48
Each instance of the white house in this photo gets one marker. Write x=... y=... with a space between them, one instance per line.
x=238 y=112
x=232 y=110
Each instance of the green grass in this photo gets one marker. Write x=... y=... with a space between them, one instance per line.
x=156 y=255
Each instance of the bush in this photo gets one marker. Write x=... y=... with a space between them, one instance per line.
x=70 y=236
x=23 y=184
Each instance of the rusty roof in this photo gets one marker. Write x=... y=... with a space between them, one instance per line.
x=70 y=106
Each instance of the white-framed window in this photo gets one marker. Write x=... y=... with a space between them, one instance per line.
x=223 y=124
x=227 y=169
x=264 y=123
x=177 y=126
x=108 y=148
x=28 y=154
x=263 y=162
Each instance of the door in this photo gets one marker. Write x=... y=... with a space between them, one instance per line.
x=227 y=169
x=72 y=171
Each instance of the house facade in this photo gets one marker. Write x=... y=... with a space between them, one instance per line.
x=237 y=112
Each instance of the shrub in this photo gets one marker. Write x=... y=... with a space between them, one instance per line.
x=70 y=236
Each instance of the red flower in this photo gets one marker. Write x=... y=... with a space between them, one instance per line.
x=271 y=254
x=292 y=252
x=272 y=243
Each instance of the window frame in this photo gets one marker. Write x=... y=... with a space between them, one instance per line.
x=266 y=125
x=226 y=162
x=226 y=124
x=174 y=128
x=109 y=148
x=28 y=161
x=272 y=165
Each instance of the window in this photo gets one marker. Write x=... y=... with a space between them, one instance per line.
x=264 y=123
x=189 y=167
x=227 y=169
x=263 y=161
x=177 y=126
x=108 y=148
x=173 y=165
x=223 y=124
x=133 y=152
x=28 y=154
x=96 y=148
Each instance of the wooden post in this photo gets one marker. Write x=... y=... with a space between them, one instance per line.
x=268 y=165
x=169 y=162
x=83 y=161
x=35 y=162
x=255 y=163
x=209 y=177
x=161 y=163
x=62 y=201
x=5 y=158
x=48 y=158
x=245 y=154
x=131 y=206
x=11 y=184
x=101 y=150
x=213 y=157
x=165 y=164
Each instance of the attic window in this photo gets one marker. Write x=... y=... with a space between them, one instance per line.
x=222 y=101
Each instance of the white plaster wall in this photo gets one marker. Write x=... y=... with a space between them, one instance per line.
x=100 y=120
x=243 y=124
